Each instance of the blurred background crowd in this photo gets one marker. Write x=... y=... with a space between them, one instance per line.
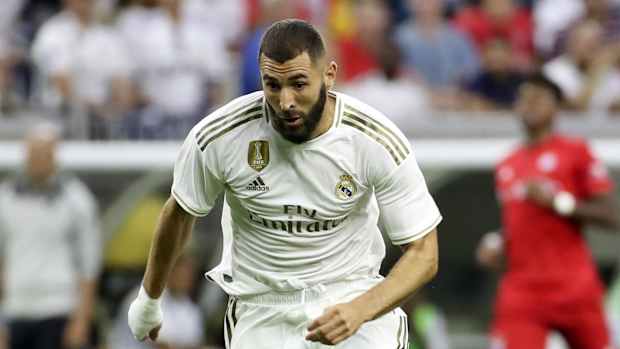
x=148 y=69
x=116 y=70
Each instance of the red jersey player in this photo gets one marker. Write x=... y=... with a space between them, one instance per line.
x=548 y=188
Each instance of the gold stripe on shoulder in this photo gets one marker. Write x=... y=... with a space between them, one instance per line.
x=396 y=140
x=339 y=112
x=266 y=111
x=232 y=126
x=378 y=130
x=217 y=122
x=376 y=138
x=228 y=121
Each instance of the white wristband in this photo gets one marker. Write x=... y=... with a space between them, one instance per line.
x=564 y=203
x=144 y=314
x=493 y=240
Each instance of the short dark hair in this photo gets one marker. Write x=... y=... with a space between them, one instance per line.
x=288 y=38
x=538 y=78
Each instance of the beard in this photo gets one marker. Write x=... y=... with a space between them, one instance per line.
x=310 y=120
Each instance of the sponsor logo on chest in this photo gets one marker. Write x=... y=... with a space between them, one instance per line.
x=257 y=184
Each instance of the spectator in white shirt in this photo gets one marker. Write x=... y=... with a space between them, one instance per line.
x=555 y=19
x=50 y=246
x=550 y=18
x=587 y=72
x=229 y=17
x=83 y=63
x=181 y=66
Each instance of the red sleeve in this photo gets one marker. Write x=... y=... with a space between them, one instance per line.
x=593 y=175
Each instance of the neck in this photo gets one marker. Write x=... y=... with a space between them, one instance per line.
x=327 y=117
x=175 y=12
x=428 y=22
x=538 y=135
x=83 y=19
x=40 y=182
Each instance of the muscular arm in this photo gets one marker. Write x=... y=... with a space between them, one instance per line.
x=171 y=235
x=601 y=211
x=416 y=267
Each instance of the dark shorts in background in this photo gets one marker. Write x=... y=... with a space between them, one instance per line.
x=37 y=334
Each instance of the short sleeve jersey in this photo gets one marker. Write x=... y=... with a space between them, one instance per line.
x=297 y=215
x=546 y=251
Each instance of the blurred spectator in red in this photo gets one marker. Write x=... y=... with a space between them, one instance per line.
x=82 y=63
x=500 y=19
x=391 y=91
x=496 y=86
x=587 y=72
x=357 y=53
x=437 y=53
x=270 y=11
x=181 y=70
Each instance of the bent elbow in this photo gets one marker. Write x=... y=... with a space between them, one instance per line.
x=615 y=223
x=610 y=222
x=432 y=269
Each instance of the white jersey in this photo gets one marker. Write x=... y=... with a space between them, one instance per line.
x=298 y=215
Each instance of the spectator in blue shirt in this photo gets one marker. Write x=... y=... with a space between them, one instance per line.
x=436 y=52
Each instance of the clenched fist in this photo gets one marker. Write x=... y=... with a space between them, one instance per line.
x=145 y=316
x=337 y=323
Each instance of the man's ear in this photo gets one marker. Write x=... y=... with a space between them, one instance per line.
x=329 y=75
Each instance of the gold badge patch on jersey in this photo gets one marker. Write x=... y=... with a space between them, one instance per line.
x=345 y=189
x=258 y=155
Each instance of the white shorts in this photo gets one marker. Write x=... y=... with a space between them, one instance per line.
x=279 y=320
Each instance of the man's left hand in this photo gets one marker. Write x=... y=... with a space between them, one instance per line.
x=337 y=323
x=538 y=193
x=76 y=333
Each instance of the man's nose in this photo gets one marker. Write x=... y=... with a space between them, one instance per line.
x=287 y=99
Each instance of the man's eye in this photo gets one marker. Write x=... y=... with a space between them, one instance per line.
x=272 y=86
x=300 y=85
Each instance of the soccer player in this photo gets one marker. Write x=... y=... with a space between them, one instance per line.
x=306 y=171
x=548 y=188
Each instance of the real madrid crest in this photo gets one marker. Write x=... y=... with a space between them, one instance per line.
x=345 y=189
x=258 y=155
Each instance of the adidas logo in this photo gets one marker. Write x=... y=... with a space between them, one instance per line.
x=257 y=185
